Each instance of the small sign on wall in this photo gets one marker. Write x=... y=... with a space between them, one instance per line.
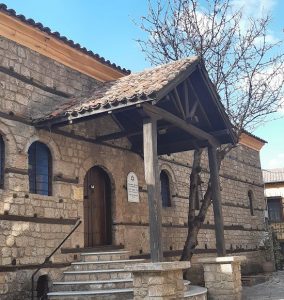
x=132 y=187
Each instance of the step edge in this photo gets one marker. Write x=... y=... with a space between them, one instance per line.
x=107 y=261
x=93 y=282
x=75 y=293
x=96 y=271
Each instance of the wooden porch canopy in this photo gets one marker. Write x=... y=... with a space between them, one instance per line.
x=179 y=94
x=167 y=109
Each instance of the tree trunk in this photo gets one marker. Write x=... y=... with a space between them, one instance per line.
x=195 y=222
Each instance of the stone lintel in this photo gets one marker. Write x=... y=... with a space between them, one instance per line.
x=221 y=260
x=158 y=266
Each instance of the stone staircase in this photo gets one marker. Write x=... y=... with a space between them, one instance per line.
x=101 y=275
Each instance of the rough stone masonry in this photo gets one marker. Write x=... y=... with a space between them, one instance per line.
x=32 y=225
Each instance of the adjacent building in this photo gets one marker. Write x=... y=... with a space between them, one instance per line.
x=274 y=193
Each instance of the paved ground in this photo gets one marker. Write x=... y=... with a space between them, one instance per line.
x=269 y=290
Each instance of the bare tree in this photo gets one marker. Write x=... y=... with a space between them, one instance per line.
x=243 y=60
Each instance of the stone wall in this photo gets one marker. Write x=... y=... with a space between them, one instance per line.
x=23 y=65
x=31 y=88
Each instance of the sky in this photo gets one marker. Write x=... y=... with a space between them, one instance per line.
x=107 y=27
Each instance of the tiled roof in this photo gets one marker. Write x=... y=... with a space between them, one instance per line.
x=135 y=87
x=255 y=136
x=31 y=22
x=273 y=175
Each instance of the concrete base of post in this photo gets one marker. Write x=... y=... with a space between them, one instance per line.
x=222 y=277
x=161 y=280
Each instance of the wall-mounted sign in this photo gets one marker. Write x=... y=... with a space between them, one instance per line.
x=132 y=187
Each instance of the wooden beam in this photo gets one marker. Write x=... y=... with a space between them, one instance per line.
x=216 y=98
x=186 y=98
x=171 y=96
x=123 y=133
x=168 y=148
x=199 y=102
x=193 y=110
x=191 y=129
x=117 y=135
x=82 y=116
x=153 y=187
x=178 y=101
x=54 y=48
x=169 y=87
x=217 y=204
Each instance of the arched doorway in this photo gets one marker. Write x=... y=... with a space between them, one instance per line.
x=97 y=208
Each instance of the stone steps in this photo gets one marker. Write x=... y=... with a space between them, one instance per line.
x=106 y=274
x=101 y=275
x=93 y=285
x=105 y=256
x=196 y=293
x=103 y=265
x=93 y=294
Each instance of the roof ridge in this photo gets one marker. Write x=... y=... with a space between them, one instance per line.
x=64 y=39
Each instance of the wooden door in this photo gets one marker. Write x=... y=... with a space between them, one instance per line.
x=97 y=208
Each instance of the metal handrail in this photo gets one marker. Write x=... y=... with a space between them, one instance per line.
x=77 y=224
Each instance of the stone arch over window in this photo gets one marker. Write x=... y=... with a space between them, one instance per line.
x=40 y=169
x=52 y=146
x=251 y=201
x=165 y=189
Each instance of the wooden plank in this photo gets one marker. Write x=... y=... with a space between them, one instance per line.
x=152 y=182
x=178 y=101
x=216 y=197
x=33 y=82
x=42 y=220
x=193 y=109
x=172 y=98
x=194 y=93
x=191 y=129
x=61 y=178
x=17 y=171
x=54 y=48
x=181 y=146
x=186 y=98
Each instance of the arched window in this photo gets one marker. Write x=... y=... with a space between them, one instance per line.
x=165 y=189
x=251 y=198
x=40 y=169
x=2 y=161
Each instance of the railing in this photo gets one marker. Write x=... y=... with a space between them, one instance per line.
x=48 y=257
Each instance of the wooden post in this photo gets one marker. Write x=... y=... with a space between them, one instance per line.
x=153 y=187
x=217 y=204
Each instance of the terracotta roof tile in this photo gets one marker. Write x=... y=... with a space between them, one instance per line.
x=134 y=87
x=273 y=175
x=57 y=35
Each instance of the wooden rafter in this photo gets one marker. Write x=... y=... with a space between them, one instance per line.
x=160 y=113
x=192 y=89
x=186 y=99
x=178 y=101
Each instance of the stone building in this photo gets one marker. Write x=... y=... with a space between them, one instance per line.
x=50 y=159
x=274 y=193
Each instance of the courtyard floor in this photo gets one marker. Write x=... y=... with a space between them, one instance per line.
x=272 y=289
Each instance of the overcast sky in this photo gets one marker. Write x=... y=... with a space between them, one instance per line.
x=106 y=27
